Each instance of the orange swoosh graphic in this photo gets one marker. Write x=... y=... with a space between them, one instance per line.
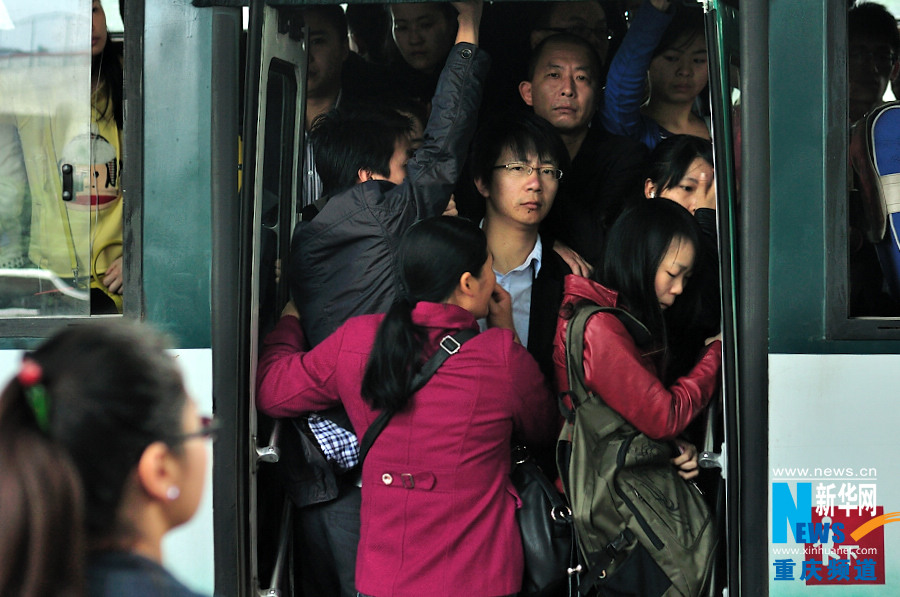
x=867 y=527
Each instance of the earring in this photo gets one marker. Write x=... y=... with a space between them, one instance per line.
x=652 y=194
x=172 y=493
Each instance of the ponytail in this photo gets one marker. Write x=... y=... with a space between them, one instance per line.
x=392 y=362
x=432 y=257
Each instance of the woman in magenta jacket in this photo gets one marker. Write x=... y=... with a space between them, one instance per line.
x=438 y=507
x=648 y=261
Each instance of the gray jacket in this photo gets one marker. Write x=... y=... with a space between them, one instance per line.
x=342 y=262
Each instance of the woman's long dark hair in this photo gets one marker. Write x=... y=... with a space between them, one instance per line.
x=671 y=159
x=635 y=247
x=107 y=68
x=42 y=544
x=109 y=390
x=432 y=257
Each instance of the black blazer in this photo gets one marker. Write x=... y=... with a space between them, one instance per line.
x=546 y=296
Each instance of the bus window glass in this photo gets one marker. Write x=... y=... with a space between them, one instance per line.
x=280 y=93
x=277 y=180
x=873 y=60
x=113 y=15
x=56 y=169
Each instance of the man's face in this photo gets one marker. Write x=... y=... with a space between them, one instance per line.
x=562 y=88
x=402 y=154
x=872 y=65
x=586 y=19
x=327 y=51
x=423 y=35
x=514 y=195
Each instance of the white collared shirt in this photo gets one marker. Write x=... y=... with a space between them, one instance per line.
x=518 y=282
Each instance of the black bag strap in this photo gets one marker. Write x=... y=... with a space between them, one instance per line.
x=599 y=562
x=450 y=345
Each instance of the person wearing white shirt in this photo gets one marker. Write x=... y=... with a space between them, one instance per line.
x=517 y=163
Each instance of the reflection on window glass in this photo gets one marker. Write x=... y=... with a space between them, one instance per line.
x=60 y=168
x=873 y=59
x=277 y=168
x=112 y=8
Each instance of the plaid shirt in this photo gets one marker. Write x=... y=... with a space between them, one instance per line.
x=339 y=445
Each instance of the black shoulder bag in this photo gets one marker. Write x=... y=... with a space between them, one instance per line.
x=548 y=537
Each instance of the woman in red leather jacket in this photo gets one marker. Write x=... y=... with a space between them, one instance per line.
x=648 y=261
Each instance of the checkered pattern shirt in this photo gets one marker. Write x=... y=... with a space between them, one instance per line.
x=339 y=445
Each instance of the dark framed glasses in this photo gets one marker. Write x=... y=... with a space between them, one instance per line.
x=209 y=427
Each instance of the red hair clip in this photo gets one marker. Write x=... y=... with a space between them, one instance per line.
x=30 y=379
x=30 y=373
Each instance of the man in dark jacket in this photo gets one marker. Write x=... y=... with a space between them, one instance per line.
x=342 y=262
x=607 y=170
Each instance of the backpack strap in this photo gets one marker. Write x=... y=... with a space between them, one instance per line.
x=578 y=390
x=449 y=345
x=575 y=352
x=575 y=344
x=599 y=562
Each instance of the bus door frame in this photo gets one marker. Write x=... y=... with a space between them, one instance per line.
x=276 y=37
x=743 y=226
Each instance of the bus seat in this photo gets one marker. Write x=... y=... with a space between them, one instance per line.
x=875 y=156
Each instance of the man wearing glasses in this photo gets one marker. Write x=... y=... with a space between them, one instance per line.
x=518 y=162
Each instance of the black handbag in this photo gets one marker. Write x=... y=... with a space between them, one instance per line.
x=545 y=522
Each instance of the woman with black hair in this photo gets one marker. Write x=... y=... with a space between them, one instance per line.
x=438 y=506
x=666 y=45
x=681 y=170
x=423 y=33
x=648 y=261
x=96 y=468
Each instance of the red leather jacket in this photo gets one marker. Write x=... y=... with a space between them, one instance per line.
x=627 y=378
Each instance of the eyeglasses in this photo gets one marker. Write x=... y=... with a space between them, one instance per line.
x=209 y=427
x=519 y=169
x=582 y=31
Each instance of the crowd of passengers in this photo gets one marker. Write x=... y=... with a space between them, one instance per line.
x=485 y=184
x=521 y=189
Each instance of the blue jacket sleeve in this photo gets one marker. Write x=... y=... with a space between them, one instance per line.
x=621 y=113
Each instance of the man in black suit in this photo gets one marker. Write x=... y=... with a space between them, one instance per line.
x=518 y=162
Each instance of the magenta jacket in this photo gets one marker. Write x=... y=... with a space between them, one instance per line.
x=438 y=508
x=625 y=377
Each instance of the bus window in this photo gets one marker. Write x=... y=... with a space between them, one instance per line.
x=873 y=59
x=60 y=169
x=277 y=183
x=112 y=8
